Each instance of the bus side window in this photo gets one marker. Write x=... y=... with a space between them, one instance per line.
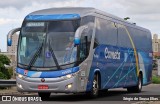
x=106 y=32
x=123 y=38
x=84 y=47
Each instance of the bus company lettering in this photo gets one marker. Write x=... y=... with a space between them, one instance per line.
x=66 y=72
x=112 y=54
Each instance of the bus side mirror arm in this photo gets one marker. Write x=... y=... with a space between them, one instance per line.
x=78 y=34
x=9 y=36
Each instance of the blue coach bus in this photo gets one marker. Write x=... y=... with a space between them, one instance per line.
x=73 y=50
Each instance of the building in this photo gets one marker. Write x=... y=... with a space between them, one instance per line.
x=11 y=53
x=12 y=50
x=156 y=45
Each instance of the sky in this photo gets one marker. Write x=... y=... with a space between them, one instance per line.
x=145 y=13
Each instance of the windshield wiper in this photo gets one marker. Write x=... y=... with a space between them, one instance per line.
x=54 y=57
x=35 y=56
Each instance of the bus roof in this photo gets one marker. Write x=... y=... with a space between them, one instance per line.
x=84 y=11
x=70 y=10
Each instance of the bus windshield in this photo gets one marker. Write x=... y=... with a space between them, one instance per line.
x=56 y=39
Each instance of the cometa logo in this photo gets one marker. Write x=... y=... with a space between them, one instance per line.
x=112 y=54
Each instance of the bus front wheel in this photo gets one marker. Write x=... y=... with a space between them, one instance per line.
x=95 y=87
x=44 y=95
x=138 y=87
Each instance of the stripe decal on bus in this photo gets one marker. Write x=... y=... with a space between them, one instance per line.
x=134 y=48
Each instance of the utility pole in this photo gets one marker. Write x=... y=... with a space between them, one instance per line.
x=158 y=61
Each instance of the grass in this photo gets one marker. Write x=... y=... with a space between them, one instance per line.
x=156 y=79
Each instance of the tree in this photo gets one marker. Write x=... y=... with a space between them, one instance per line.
x=4 y=59
x=4 y=73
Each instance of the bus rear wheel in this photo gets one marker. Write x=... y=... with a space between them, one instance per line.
x=95 y=87
x=138 y=87
x=44 y=95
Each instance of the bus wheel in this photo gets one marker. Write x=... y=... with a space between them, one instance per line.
x=44 y=95
x=95 y=87
x=138 y=87
x=103 y=92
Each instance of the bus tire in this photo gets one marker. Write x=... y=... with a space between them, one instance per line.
x=138 y=87
x=44 y=95
x=95 y=87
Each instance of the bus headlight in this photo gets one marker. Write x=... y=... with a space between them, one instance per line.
x=69 y=76
x=20 y=76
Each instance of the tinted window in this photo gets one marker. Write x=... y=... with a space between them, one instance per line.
x=86 y=36
x=123 y=38
x=141 y=39
x=87 y=19
x=63 y=26
x=106 y=32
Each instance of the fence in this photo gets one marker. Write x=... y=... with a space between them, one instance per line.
x=7 y=83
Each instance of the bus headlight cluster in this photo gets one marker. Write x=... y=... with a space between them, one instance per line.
x=20 y=76
x=69 y=76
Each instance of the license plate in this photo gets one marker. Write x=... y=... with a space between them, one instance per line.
x=43 y=87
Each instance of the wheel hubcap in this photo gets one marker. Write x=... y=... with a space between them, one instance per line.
x=95 y=86
x=140 y=84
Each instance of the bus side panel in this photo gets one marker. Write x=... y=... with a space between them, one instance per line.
x=143 y=43
x=116 y=65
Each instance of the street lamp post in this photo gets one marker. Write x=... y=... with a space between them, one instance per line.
x=126 y=18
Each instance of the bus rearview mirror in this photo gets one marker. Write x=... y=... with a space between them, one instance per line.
x=77 y=41
x=9 y=42
x=9 y=36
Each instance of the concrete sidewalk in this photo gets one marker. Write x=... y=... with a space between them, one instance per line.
x=146 y=102
x=9 y=91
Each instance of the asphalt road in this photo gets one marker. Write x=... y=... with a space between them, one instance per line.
x=114 y=96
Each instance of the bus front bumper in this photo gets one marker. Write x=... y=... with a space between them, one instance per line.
x=56 y=85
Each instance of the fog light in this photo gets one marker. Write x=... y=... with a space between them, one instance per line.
x=69 y=86
x=19 y=85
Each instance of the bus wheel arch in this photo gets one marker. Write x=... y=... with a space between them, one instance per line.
x=99 y=78
x=141 y=74
x=141 y=78
x=138 y=87
x=96 y=82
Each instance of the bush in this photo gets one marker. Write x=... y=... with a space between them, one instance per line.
x=2 y=76
x=10 y=72
x=156 y=79
x=4 y=59
x=5 y=73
